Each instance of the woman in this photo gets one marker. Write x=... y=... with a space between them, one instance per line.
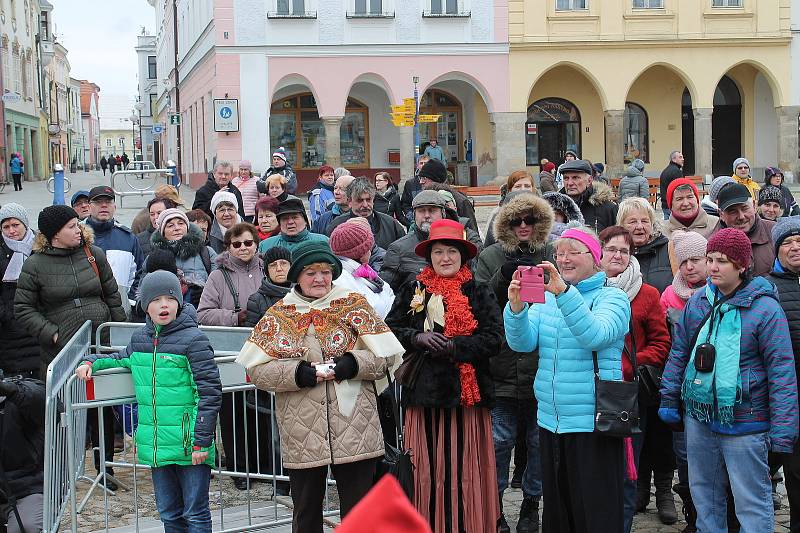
x=774 y=176
x=174 y=232
x=352 y=243
x=224 y=206
x=633 y=183
x=199 y=218
x=246 y=183
x=276 y=187
x=19 y=352
x=58 y=288
x=520 y=180
x=449 y=326
x=581 y=470
x=547 y=178
x=737 y=400
x=266 y=218
x=567 y=213
x=649 y=246
x=387 y=199
x=648 y=341
x=275 y=285
x=683 y=200
x=320 y=351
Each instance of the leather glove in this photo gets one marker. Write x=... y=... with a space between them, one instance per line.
x=448 y=352
x=241 y=317
x=8 y=388
x=430 y=341
x=305 y=375
x=346 y=367
x=510 y=266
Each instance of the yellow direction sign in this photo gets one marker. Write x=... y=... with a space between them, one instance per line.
x=402 y=109
x=410 y=102
x=403 y=122
x=429 y=118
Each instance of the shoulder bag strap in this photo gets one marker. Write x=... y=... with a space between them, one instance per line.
x=234 y=292
x=92 y=261
x=631 y=355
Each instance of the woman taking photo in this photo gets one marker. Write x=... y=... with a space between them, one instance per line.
x=320 y=350
x=450 y=327
x=730 y=379
x=582 y=470
x=648 y=340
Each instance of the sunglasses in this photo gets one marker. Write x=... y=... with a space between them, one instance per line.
x=529 y=220
x=238 y=244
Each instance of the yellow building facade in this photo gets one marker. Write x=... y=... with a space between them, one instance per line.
x=612 y=82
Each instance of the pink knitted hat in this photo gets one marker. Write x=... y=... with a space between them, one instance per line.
x=351 y=240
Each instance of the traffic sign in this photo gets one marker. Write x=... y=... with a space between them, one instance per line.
x=175 y=119
x=402 y=109
x=158 y=128
x=410 y=102
x=429 y=118
x=226 y=114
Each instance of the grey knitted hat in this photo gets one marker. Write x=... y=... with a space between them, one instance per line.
x=159 y=283
x=717 y=185
x=688 y=244
x=786 y=227
x=738 y=161
x=13 y=210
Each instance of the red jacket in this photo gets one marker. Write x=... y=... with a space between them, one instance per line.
x=649 y=329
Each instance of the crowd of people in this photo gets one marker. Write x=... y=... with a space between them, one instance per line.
x=367 y=285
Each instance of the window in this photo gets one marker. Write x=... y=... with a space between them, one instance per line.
x=570 y=5
x=121 y=141
x=27 y=88
x=108 y=143
x=447 y=130
x=291 y=7
x=45 y=26
x=726 y=3
x=16 y=79
x=368 y=7
x=444 y=7
x=648 y=4
x=153 y=104
x=636 y=142
x=151 y=68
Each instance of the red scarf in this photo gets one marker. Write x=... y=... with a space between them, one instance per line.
x=458 y=321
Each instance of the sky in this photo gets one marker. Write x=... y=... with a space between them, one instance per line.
x=100 y=37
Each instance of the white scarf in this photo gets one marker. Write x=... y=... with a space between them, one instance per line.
x=629 y=280
x=22 y=250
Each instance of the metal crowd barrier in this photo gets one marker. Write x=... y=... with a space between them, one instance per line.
x=139 y=182
x=248 y=413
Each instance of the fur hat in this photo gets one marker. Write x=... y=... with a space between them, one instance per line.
x=13 y=210
x=54 y=217
x=734 y=244
x=688 y=244
x=159 y=283
x=352 y=241
x=161 y=259
x=520 y=206
x=565 y=205
x=223 y=196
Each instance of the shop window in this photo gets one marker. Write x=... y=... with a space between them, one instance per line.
x=636 y=133
x=295 y=124
x=570 y=5
x=447 y=130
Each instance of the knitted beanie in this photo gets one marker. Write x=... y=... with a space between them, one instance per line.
x=276 y=253
x=280 y=152
x=54 y=217
x=13 y=210
x=167 y=214
x=785 y=227
x=159 y=283
x=161 y=259
x=674 y=184
x=688 y=244
x=361 y=221
x=717 y=185
x=434 y=170
x=309 y=252
x=549 y=167
x=738 y=161
x=768 y=193
x=244 y=163
x=223 y=196
x=734 y=244
x=352 y=241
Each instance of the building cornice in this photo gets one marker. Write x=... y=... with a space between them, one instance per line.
x=655 y=43
x=385 y=50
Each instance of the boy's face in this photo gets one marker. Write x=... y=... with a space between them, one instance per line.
x=163 y=310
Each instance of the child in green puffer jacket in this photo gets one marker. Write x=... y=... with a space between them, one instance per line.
x=179 y=394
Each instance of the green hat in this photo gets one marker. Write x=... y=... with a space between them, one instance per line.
x=310 y=252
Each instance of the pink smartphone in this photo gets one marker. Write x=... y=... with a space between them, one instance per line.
x=532 y=279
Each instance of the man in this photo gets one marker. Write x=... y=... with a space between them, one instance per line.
x=434 y=151
x=401 y=262
x=361 y=194
x=125 y=160
x=595 y=200
x=80 y=203
x=142 y=219
x=684 y=207
x=22 y=414
x=293 y=221
x=341 y=204
x=785 y=276
x=770 y=203
x=741 y=175
x=671 y=172
x=280 y=165
x=154 y=208
x=434 y=171
x=220 y=180
x=412 y=188
x=737 y=210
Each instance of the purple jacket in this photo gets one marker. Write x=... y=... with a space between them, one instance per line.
x=769 y=384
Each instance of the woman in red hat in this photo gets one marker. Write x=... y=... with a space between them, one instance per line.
x=449 y=326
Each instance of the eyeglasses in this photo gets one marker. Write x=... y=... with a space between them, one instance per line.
x=742 y=167
x=529 y=220
x=624 y=252
x=238 y=244
x=571 y=255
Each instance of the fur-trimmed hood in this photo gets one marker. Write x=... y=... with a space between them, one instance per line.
x=188 y=246
x=518 y=207
x=40 y=242
x=601 y=193
x=565 y=205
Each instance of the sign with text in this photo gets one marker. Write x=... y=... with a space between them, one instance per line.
x=226 y=114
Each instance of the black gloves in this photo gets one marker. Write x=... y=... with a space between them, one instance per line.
x=346 y=367
x=305 y=375
x=510 y=266
x=8 y=388
x=431 y=341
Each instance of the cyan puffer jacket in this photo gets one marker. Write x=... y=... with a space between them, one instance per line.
x=566 y=329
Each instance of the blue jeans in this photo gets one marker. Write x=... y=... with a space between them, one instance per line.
x=182 y=497
x=505 y=417
x=716 y=459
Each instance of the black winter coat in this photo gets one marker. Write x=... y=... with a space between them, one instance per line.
x=672 y=172
x=265 y=297
x=389 y=204
x=788 y=284
x=22 y=451
x=597 y=205
x=654 y=261
x=145 y=243
x=19 y=351
x=411 y=188
x=385 y=229
x=203 y=196
x=439 y=384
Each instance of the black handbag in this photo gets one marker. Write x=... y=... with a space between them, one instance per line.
x=650 y=384
x=616 y=403
x=396 y=459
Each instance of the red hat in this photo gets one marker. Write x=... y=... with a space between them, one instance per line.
x=446 y=230
x=734 y=244
x=674 y=184
x=385 y=509
x=351 y=240
x=549 y=167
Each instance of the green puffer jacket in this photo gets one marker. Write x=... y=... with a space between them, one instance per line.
x=177 y=387
x=58 y=291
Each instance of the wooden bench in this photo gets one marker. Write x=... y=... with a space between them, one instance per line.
x=483 y=190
